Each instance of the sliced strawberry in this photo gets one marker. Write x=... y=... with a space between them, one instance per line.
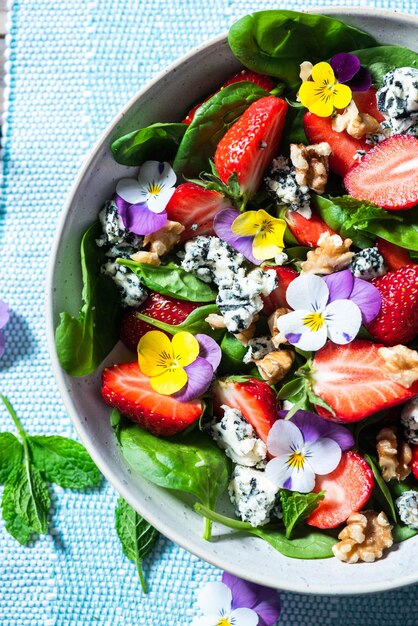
x=395 y=257
x=347 y=490
x=157 y=306
x=414 y=463
x=388 y=174
x=351 y=380
x=307 y=231
x=344 y=147
x=126 y=389
x=195 y=207
x=277 y=298
x=250 y=144
x=254 y=398
x=397 y=321
x=366 y=103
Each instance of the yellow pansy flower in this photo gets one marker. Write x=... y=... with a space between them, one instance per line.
x=267 y=231
x=323 y=93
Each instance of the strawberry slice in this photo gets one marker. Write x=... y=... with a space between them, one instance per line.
x=395 y=257
x=366 y=103
x=157 y=306
x=250 y=144
x=195 y=207
x=126 y=389
x=397 y=321
x=254 y=398
x=350 y=379
x=277 y=298
x=414 y=462
x=307 y=231
x=388 y=174
x=347 y=490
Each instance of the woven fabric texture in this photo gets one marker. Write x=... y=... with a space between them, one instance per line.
x=73 y=64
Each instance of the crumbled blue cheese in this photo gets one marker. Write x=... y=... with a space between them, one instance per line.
x=211 y=259
x=282 y=186
x=368 y=264
x=122 y=242
x=238 y=438
x=258 y=347
x=252 y=494
x=397 y=99
x=409 y=420
x=407 y=505
x=132 y=291
x=281 y=258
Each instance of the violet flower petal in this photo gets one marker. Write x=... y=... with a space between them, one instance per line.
x=340 y=285
x=222 y=227
x=345 y=66
x=263 y=600
x=362 y=81
x=138 y=218
x=199 y=377
x=4 y=314
x=2 y=344
x=243 y=593
x=367 y=298
x=209 y=350
x=313 y=426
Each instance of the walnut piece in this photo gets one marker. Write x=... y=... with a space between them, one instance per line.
x=275 y=365
x=215 y=321
x=331 y=255
x=164 y=239
x=394 y=459
x=356 y=124
x=150 y=258
x=248 y=333
x=364 y=538
x=400 y=364
x=311 y=164
x=276 y=336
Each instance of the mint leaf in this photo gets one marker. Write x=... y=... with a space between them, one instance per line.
x=11 y=453
x=63 y=461
x=297 y=506
x=136 y=536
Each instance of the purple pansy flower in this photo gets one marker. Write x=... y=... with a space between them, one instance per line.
x=348 y=70
x=344 y=286
x=222 y=226
x=141 y=203
x=303 y=447
x=4 y=318
x=201 y=371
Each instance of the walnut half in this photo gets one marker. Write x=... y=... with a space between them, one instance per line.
x=364 y=538
x=311 y=164
x=394 y=459
x=331 y=255
x=275 y=365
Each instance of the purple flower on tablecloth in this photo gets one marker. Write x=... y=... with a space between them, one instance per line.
x=237 y=602
x=348 y=70
x=141 y=203
x=4 y=318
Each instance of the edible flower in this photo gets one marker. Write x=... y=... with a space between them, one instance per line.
x=236 y=602
x=303 y=447
x=343 y=285
x=348 y=70
x=256 y=234
x=4 y=318
x=323 y=93
x=182 y=367
x=141 y=203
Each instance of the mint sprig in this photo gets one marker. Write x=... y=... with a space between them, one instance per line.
x=296 y=507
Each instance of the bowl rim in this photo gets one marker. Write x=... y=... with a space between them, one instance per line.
x=121 y=488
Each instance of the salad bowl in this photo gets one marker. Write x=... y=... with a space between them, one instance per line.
x=168 y=98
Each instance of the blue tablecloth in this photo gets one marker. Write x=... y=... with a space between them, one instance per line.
x=73 y=64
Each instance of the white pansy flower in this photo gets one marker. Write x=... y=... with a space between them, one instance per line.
x=215 y=602
x=154 y=186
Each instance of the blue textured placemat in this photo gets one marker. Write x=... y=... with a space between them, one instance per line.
x=73 y=64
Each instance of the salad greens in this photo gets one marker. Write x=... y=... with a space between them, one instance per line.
x=158 y=141
x=194 y=323
x=381 y=59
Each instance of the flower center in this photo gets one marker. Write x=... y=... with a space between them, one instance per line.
x=296 y=460
x=314 y=321
x=224 y=621
x=154 y=188
x=167 y=362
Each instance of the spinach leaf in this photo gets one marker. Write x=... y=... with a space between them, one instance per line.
x=136 y=536
x=210 y=124
x=82 y=343
x=158 y=142
x=402 y=533
x=194 y=323
x=275 y=42
x=385 y=495
x=297 y=506
x=63 y=461
x=11 y=453
x=381 y=59
x=232 y=354
x=403 y=233
x=172 y=280
x=309 y=545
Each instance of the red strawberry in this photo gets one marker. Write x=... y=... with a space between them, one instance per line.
x=395 y=256
x=350 y=379
x=366 y=103
x=388 y=174
x=126 y=389
x=397 y=321
x=195 y=207
x=307 y=231
x=347 y=490
x=261 y=80
x=414 y=464
x=251 y=143
x=277 y=298
x=157 y=306
x=254 y=398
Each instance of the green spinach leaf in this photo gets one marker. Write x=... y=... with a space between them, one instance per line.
x=194 y=323
x=11 y=454
x=232 y=354
x=385 y=495
x=297 y=506
x=156 y=142
x=381 y=59
x=402 y=533
x=403 y=233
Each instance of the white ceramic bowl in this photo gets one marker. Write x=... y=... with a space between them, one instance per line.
x=183 y=83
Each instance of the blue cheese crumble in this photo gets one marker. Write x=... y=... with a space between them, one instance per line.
x=397 y=99
x=211 y=259
x=121 y=241
x=282 y=186
x=368 y=264
x=409 y=420
x=132 y=291
x=258 y=348
x=253 y=495
x=407 y=505
x=238 y=438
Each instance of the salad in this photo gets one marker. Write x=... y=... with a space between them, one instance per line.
x=261 y=264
